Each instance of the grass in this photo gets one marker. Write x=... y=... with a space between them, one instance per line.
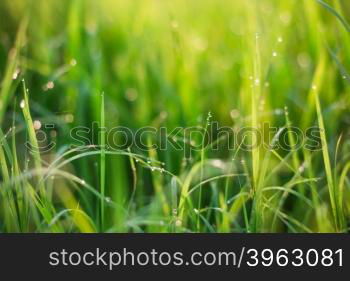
x=103 y=162
x=167 y=64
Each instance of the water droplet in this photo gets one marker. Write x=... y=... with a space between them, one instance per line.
x=178 y=223
x=73 y=62
x=37 y=125
x=344 y=77
x=22 y=104
x=108 y=199
x=49 y=85
x=208 y=118
x=274 y=54
x=278 y=111
x=303 y=60
x=257 y=81
x=286 y=112
x=69 y=118
x=195 y=210
x=314 y=87
x=53 y=133
x=279 y=39
x=82 y=182
x=131 y=94
x=234 y=113
x=15 y=74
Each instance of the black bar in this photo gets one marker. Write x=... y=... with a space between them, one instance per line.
x=29 y=254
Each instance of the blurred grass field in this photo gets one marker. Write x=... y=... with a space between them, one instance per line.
x=171 y=64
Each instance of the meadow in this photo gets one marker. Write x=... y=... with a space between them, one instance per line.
x=73 y=71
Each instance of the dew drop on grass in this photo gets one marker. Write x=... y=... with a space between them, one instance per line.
x=278 y=111
x=303 y=60
x=274 y=54
x=108 y=199
x=49 y=86
x=234 y=113
x=208 y=118
x=314 y=87
x=73 y=62
x=178 y=223
x=22 y=104
x=82 y=182
x=279 y=39
x=131 y=94
x=37 y=125
x=15 y=74
x=69 y=118
x=257 y=82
